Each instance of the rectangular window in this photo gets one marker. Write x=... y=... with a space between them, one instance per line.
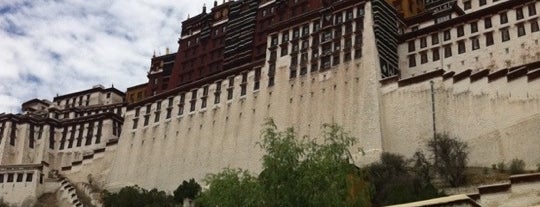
x=521 y=29
x=147 y=115
x=487 y=23
x=29 y=177
x=411 y=46
x=285 y=37
x=135 y=123
x=489 y=39
x=230 y=89
x=423 y=42
x=193 y=100
x=447 y=51
x=460 y=31
x=505 y=34
x=284 y=50
x=467 y=5
x=447 y=35
x=482 y=2
x=423 y=57
x=89 y=134
x=217 y=93
x=534 y=26
x=461 y=47
x=474 y=27
x=475 y=43
x=13 y=133
x=158 y=111
x=10 y=177
x=503 y=18
x=1 y=178
x=170 y=107
x=435 y=39
x=181 y=104
x=257 y=84
x=412 y=61
x=98 y=135
x=271 y=74
x=243 y=85
x=532 y=9
x=519 y=13
x=436 y=55
x=19 y=177
x=204 y=97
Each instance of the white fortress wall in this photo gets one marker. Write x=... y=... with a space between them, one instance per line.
x=164 y=153
x=477 y=54
x=499 y=120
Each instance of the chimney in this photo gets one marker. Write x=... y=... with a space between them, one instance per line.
x=204 y=9
x=166 y=51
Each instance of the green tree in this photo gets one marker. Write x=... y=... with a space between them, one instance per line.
x=188 y=189
x=396 y=180
x=231 y=188
x=135 y=196
x=296 y=172
x=451 y=156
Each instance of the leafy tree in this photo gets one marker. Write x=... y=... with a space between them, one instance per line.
x=296 y=172
x=231 y=188
x=187 y=189
x=394 y=181
x=135 y=196
x=450 y=155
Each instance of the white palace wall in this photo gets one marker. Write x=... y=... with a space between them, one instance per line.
x=500 y=120
x=222 y=135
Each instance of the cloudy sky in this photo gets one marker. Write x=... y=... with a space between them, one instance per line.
x=50 y=47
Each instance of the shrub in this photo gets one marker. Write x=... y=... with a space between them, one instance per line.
x=187 y=189
x=501 y=167
x=517 y=166
x=450 y=157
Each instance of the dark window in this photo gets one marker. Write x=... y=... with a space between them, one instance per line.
x=19 y=177
x=466 y=5
x=436 y=55
x=448 y=51
x=411 y=46
x=475 y=43
x=489 y=38
x=135 y=123
x=474 y=27
x=487 y=22
x=230 y=89
x=447 y=35
x=243 y=85
x=181 y=104
x=435 y=38
x=193 y=100
x=532 y=9
x=13 y=134
x=505 y=34
x=98 y=135
x=256 y=84
x=284 y=50
x=1 y=178
x=10 y=177
x=534 y=26
x=89 y=134
x=157 y=113
x=482 y=2
x=204 y=97
x=423 y=57
x=504 y=18
x=29 y=177
x=460 y=31
x=423 y=42
x=217 y=93
x=519 y=13
x=521 y=29
x=461 y=47
x=412 y=60
x=271 y=74
x=31 y=137
x=170 y=107
x=285 y=37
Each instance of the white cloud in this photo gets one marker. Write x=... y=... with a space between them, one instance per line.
x=50 y=47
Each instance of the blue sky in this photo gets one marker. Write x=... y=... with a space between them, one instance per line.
x=50 y=47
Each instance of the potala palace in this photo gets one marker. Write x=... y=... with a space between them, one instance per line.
x=392 y=73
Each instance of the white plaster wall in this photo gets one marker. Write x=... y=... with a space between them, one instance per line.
x=516 y=51
x=225 y=135
x=499 y=120
x=17 y=193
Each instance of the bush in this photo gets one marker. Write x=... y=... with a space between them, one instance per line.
x=395 y=182
x=450 y=157
x=187 y=189
x=501 y=167
x=517 y=166
x=135 y=196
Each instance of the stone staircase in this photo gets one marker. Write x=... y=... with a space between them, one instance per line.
x=67 y=194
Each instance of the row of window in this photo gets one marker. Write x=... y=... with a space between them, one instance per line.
x=193 y=101
x=16 y=177
x=473 y=28
x=77 y=133
x=475 y=43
